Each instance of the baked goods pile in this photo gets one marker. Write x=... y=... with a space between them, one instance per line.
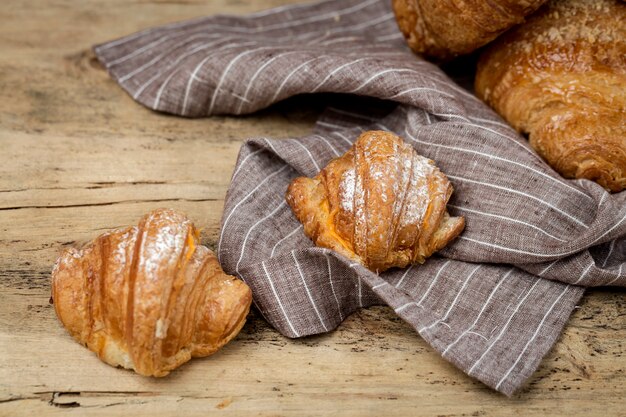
x=559 y=77
x=149 y=297
x=380 y=204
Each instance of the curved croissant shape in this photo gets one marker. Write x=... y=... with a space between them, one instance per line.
x=561 y=78
x=443 y=29
x=380 y=204
x=148 y=297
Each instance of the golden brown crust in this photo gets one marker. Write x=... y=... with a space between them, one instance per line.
x=149 y=297
x=380 y=204
x=443 y=29
x=561 y=78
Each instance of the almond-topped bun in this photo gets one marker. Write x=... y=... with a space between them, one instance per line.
x=443 y=29
x=561 y=79
x=380 y=204
x=149 y=297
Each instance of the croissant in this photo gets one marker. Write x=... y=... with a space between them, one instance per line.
x=380 y=204
x=148 y=297
x=561 y=78
x=443 y=29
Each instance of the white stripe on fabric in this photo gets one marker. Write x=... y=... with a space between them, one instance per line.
x=404 y=275
x=390 y=37
x=611 y=247
x=418 y=89
x=479 y=335
x=533 y=337
x=194 y=74
x=453 y=302
x=430 y=287
x=332 y=148
x=317 y=167
x=514 y=191
x=245 y=240
x=337 y=40
x=506 y=248
x=507 y=219
x=308 y=292
x=402 y=307
x=190 y=82
x=138 y=70
x=383 y=127
x=258 y=72
x=268 y=143
x=285 y=238
x=548 y=267
x=494 y=122
x=282 y=85
x=156 y=59
x=482 y=310
x=157 y=99
x=348 y=141
x=585 y=272
x=506 y=325
x=609 y=231
x=360 y=292
x=333 y=72
x=251 y=154
x=378 y=74
x=280 y=304
x=219 y=245
x=140 y=90
x=332 y=286
x=137 y=51
x=619 y=275
x=382 y=284
x=225 y=72
x=451 y=115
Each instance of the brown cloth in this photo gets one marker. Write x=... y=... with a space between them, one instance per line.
x=495 y=301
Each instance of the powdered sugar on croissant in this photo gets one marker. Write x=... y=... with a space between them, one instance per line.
x=380 y=204
x=149 y=297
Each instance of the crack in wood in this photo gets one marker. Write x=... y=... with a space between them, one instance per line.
x=71 y=399
x=105 y=184
x=109 y=203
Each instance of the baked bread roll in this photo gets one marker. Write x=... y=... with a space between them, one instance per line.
x=561 y=78
x=380 y=204
x=443 y=29
x=149 y=297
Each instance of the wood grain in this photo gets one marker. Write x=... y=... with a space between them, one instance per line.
x=80 y=157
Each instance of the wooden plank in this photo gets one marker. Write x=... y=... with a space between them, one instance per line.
x=80 y=157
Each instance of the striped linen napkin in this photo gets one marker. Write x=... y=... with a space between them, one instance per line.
x=495 y=301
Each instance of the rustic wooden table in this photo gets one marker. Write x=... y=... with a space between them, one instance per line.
x=79 y=157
